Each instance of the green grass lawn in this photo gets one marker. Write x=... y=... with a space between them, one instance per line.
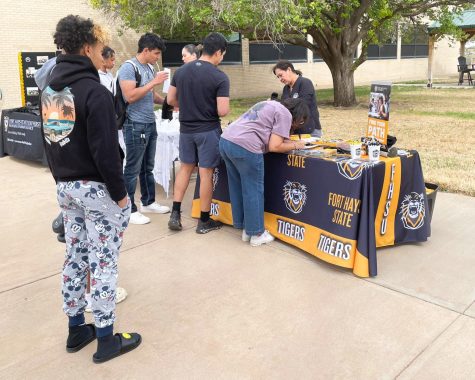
x=438 y=123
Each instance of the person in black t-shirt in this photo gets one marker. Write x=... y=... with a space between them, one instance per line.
x=296 y=86
x=201 y=91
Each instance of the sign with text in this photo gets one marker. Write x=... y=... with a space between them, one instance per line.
x=378 y=113
x=29 y=63
x=21 y=135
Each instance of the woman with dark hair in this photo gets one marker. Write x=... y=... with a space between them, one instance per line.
x=191 y=53
x=296 y=86
x=265 y=127
x=105 y=76
x=83 y=153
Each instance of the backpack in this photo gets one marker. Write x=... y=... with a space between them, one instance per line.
x=120 y=104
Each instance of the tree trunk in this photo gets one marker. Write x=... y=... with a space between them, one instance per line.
x=343 y=83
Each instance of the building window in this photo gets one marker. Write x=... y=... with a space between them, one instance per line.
x=387 y=49
x=171 y=57
x=414 y=41
x=267 y=52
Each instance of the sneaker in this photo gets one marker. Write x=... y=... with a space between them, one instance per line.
x=58 y=224
x=245 y=237
x=120 y=294
x=263 y=238
x=210 y=225
x=61 y=238
x=137 y=218
x=155 y=208
x=175 y=221
x=88 y=303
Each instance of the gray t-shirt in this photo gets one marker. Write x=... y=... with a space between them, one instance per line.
x=142 y=110
x=253 y=129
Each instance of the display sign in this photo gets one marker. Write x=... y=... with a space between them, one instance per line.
x=29 y=63
x=21 y=135
x=378 y=113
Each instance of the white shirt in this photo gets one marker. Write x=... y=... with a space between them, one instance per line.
x=107 y=80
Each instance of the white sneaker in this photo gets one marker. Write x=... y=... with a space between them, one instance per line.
x=88 y=303
x=155 y=208
x=138 y=218
x=120 y=294
x=245 y=237
x=264 y=238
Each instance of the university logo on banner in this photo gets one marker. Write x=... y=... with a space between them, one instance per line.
x=215 y=178
x=351 y=169
x=6 y=119
x=413 y=211
x=295 y=196
x=378 y=113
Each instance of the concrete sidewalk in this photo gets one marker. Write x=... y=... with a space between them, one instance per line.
x=212 y=307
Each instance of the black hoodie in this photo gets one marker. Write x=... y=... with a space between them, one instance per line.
x=79 y=126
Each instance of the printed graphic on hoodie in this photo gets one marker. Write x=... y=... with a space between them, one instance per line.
x=59 y=114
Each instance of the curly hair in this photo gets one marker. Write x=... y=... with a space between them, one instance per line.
x=72 y=32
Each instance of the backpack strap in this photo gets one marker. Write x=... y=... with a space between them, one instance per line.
x=138 y=77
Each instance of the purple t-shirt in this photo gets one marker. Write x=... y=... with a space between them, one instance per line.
x=253 y=129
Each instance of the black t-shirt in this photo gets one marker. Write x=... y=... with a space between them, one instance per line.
x=198 y=84
x=303 y=89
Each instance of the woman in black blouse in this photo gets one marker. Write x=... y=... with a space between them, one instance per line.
x=297 y=86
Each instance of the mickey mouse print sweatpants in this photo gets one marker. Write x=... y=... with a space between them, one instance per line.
x=94 y=226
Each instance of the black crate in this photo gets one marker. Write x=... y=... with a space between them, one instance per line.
x=431 y=196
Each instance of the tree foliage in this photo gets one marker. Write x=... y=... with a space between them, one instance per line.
x=336 y=27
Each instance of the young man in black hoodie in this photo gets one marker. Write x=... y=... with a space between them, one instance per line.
x=83 y=153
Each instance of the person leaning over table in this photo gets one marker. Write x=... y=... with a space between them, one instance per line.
x=265 y=127
x=85 y=163
x=296 y=86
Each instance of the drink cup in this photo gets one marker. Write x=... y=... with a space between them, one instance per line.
x=355 y=150
x=374 y=152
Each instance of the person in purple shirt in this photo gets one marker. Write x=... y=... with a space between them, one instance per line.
x=265 y=127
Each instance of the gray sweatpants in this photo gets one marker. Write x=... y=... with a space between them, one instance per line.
x=94 y=225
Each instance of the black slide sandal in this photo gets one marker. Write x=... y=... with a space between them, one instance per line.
x=128 y=342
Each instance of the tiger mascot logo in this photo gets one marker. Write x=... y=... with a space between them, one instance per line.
x=295 y=196
x=215 y=178
x=350 y=169
x=413 y=211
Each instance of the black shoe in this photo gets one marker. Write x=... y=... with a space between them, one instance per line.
x=210 y=225
x=175 y=221
x=120 y=344
x=61 y=238
x=58 y=224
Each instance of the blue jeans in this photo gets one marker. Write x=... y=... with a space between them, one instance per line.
x=140 y=145
x=246 y=186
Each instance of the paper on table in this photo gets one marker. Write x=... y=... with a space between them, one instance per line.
x=166 y=84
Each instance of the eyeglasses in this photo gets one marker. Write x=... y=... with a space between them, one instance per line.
x=301 y=122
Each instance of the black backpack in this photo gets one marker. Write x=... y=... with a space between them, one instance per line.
x=120 y=104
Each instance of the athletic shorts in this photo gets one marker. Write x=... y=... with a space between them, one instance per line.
x=200 y=148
